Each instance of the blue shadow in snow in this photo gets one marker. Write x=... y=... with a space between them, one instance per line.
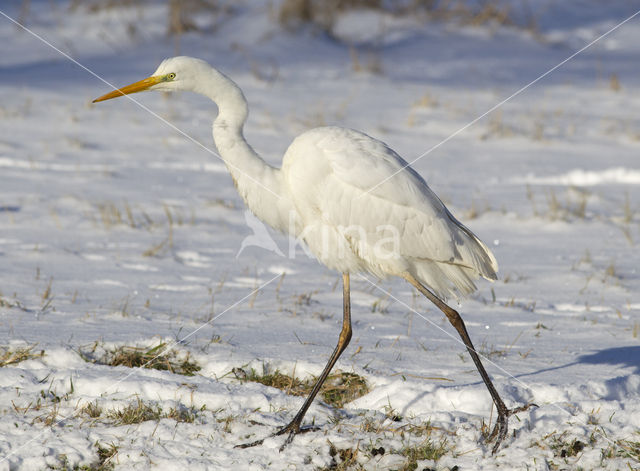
x=628 y=356
x=618 y=387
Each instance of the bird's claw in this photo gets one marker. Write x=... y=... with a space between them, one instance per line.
x=292 y=429
x=250 y=444
x=499 y=432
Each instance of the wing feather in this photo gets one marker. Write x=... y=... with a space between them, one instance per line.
x=431 y=243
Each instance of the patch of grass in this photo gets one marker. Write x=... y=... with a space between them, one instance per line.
x=12 y=356
x=427 y=450
x=105 y=456
x=394 y=424
x=323 y=15
x=569 y=207
x=339 y=388
x=228 y=420
x=51 y=396
x=46 y=401
x=564 y=447
x=141 y=411
x=187 y=15
x=366 y=60
x=630 y=449
x=92 y=409
x=371 y=425
x=614 y=83
x=477 y=209
x=304 y=299
x=6 y=303
x=342 y=387
x=288 y=384
x=50 y=418
x=111 y=215
x=157 y=358
x=421 y=429
x=491 y=351
x=182 y=414
x=342 y=459
x=167 y=243
x=497 y=128
x=381 y=304
x=103 y=463
x=417 y=107
x=136 y=413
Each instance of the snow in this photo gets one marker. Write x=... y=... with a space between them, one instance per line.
x=580 y=177
x=118 y=230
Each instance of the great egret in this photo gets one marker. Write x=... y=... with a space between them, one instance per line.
x=335 y=190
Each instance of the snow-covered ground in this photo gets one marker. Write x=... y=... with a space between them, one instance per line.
x=118 y=230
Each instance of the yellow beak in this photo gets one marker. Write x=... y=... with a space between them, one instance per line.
x=140 y=86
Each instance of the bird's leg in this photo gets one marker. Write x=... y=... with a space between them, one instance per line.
x=294 y=427
x=345 y=336
x=499 y=432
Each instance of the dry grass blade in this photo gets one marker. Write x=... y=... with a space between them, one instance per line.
x=9 y=356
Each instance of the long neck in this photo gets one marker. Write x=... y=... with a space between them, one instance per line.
x=259 y=184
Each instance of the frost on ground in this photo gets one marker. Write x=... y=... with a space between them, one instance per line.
x=119 y=234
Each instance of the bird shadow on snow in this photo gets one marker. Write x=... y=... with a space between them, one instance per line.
x=626 y=356
x=622 y=385
x=619 y=358
x=625 y=384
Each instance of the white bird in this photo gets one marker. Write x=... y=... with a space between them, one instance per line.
x=357 y=205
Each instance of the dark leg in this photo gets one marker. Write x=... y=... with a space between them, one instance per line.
x=502 y=424
x=345 y=336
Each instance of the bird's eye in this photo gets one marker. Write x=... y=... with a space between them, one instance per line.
x=171 y=76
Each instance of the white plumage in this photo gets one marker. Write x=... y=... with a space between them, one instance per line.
x=328 y=173
x=357 y=205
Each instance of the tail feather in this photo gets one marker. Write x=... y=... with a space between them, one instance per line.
x=457 y=278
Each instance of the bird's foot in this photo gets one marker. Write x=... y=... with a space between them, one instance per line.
x=292 y=429
x=499 y=432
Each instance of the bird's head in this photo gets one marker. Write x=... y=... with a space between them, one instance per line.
x=176 y=73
